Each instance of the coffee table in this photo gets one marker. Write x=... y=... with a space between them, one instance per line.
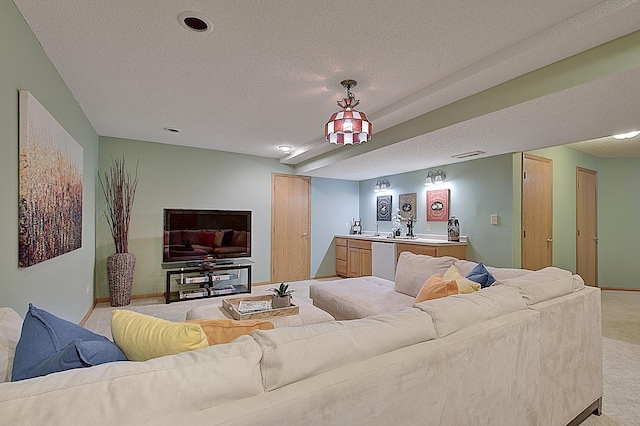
x=309 y=314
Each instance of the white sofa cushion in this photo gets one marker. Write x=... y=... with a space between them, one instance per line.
x=361 y=297
x=578 y=282
x=466 y=266
x=131 y=393
x=541 y=285
x=456 y=312
x=10 y=327
x=414 y=270
x=293 y=354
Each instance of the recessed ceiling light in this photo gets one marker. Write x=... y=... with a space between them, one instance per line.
x=194 y=21
x=172 y=130
x=627 y=135
x=285 y=148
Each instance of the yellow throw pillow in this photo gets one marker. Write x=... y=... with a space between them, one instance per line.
x=436 y=287
x=217 y=239
x=465 y=285
x=225 y=330
x=142 y=337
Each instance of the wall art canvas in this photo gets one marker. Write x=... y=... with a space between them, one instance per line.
x=438 y=205
x=50 y=181
x=383 y=208
x=407 y=206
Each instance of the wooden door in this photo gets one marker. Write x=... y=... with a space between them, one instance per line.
x=290 y=227
x=587 y=225
x=537 y=212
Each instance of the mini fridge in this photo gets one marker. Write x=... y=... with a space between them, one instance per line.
x=383 y=260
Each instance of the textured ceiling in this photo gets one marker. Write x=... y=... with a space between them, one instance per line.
x=609 y=147
x=269 y=73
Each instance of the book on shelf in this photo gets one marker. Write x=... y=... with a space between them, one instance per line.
x=193 y=294
x=194 y=280
x=247 y=306
x=222 y=277
x=227 y=289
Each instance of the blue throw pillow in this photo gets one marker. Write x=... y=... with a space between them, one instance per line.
x=49 y=344
x=480 y=275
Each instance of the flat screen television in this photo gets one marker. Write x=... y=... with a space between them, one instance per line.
x=192 y=235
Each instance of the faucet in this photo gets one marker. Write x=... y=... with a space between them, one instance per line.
x=410 y=227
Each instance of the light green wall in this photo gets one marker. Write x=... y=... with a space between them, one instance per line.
x=177 y=177
x=619 y=223
x=58 y=285
x=618 y=214
x=334 y=203
x=478 y=188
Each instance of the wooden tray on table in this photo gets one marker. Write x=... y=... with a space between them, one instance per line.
x=231 y=306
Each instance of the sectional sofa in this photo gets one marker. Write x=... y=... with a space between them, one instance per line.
x=524 y=351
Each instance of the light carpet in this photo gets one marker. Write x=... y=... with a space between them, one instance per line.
x=620 y=344
x=100 y=319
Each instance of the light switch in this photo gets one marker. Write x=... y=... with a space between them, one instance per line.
x=494 y=219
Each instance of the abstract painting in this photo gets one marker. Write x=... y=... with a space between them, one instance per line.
x=438 y=205
x=50 y=181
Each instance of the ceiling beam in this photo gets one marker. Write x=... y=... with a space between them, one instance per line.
x=601 y=61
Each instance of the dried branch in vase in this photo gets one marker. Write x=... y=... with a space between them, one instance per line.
x=119 y=190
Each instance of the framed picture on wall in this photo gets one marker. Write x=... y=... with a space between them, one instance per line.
x=50 y=189
x=383 y=208
x=407 y=206
x=438 y=205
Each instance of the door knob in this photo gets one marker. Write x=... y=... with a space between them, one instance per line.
x=304 y=234
x=595 y=238
x=549 y=240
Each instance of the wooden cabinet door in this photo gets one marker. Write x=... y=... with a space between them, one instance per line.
x=341 y=257
x=353 y=262
x=365 y=262
x=417 y=249
x=358 y=258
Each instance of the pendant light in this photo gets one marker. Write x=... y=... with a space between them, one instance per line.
x=348 y=126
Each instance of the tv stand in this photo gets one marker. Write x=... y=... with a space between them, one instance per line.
x=188 y=283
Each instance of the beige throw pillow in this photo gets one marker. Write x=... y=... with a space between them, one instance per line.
x=414 y=269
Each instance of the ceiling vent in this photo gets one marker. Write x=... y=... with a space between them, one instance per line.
x=468 y=154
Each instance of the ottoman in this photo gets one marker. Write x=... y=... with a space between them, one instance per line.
x=309 y=314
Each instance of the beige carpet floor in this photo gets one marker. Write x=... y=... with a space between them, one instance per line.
x=621 y=360
x=100 y=319
x=620 y=331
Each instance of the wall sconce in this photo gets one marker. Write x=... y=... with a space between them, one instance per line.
x=381 y=185
x=436 y=177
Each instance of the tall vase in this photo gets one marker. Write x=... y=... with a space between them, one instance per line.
x=120 y=268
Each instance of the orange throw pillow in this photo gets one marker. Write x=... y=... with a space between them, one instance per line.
x=435 y=288
x=225 y=330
